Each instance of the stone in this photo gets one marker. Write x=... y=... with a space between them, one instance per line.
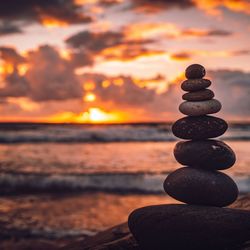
x=200 y=95
x=178 y=227
x=200 y=108
x=195 y=84
x=199 y=127
x=201 y=187
x=207 y=154
x=195 y=71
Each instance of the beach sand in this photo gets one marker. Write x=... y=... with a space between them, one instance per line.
x=111 y=212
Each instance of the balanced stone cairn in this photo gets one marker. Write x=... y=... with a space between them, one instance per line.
x=201 y=223
x=200 y=183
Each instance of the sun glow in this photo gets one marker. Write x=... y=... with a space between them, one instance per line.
x=96 y=115
x=65 y=54
x=6 y=68
x=51 y=22
x=88 y=85
x=89 y=97
x=22 y=69
x=92 y=115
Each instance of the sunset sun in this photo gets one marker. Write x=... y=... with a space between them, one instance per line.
x=97 y=115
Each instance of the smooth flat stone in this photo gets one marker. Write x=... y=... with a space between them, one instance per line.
x=179 y=227
x=200 y=108
x=200 y=95
x=201 y=187
x=195 y=84
x=206 y=154
x=195 y=71
x=199 y=127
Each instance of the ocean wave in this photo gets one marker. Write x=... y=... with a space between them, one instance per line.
x=124 y=183
x=94 y=133
x=135 y=183
x=69 y=133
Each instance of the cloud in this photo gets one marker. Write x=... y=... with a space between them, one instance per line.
x=159 y=5
x=15 y=86
x=235 y=84
x=108 y=3
x=7 y=28
x=124 y=94
x=181 y=56
x=10 y=55
x=95 y=42
x=189 y=54
x=204 y=33
x=128 y=52
x=48 y=75
x=110 y=45
x=214 y=6
x=209 y=6
x=147 y=30
x=121 y=90
x=240 y=52
x=43 y=12
x=81 y=59
x=51 y=77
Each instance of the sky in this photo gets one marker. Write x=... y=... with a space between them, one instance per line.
x=119 y=60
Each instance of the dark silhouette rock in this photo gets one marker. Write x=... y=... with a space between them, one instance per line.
x=201 y=95
x=208 y=154
x=195 y=71
x=199 y=127
x=195 y=84
x=200 y=108
x=201 y=187
x=179 y=227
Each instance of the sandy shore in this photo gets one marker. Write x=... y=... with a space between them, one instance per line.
x=117 y=237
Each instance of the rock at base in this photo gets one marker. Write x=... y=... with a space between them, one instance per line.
x=179 y=227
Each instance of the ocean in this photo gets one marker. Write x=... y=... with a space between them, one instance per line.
x=66 y=180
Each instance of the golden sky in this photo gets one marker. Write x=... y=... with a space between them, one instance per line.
x=119 y=60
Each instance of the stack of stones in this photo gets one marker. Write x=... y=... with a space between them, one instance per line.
x=203 y=222
x=200 y=183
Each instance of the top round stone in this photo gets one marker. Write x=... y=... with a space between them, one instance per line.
x=195 y=71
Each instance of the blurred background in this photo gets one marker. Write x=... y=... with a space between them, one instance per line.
x=88 y=92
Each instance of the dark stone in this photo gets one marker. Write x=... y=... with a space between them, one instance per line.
x=200 y=108
x=208 y=154
x=195 y=71
x=195 y=84
x=201 y=187
x=178 y=227
x=201 y=95
x=199 y=127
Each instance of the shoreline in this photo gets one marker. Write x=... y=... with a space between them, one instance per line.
x=115 y=237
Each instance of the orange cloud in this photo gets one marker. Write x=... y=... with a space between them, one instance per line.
x=181 y=56
x=212 y=6
x=150 y=30
x=187 y=55
x=24 y=103
x=169 y=30
x=128 y=52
